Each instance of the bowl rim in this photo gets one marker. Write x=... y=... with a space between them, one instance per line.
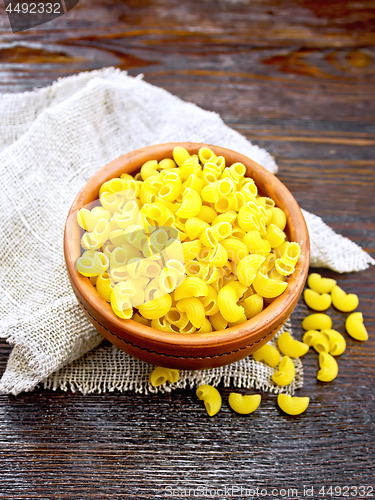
x=130 y=163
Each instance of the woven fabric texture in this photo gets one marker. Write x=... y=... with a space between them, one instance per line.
x=52 y=141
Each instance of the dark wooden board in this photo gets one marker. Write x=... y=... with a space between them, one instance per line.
x=297 y=78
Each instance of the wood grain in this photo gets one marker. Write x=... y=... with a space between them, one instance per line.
x=297 y=78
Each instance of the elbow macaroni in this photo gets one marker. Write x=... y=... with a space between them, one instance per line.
x=211 y=397
x=244 y=404
x=188 y=242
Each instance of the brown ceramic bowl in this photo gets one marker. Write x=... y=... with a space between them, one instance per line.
x=174 y=350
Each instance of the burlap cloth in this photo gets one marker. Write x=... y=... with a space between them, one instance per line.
x=51 y=142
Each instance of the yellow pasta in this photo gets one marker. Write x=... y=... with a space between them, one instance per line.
x=225 y=217
x=292 y=405
x=211 y=397
x=104 y=286
x=236 y=249
x=194 y=310
x=268 y=287
x=355 y=327
x=207 y=214
x=319 y=284
x=337 y=343
x=187 y=241
x=244 y=404
x=267 y=354
x=216 y=257
x=221 y=230
x=140 y=319
x=278 y=217
x=160 y=376
x=328 y=367
x=256 y=244
x=227 y=300
x=219 y=189
x=291 y=254
x=121 y=300
x=191 y=204
x=274 y=235
x=195 y=226
x=88 y=219
x=191 y=287
x=92 y=264
x=191 y=249
x=218 y=322
x=252 y=305
x=206 y=327
x=285 y=373
x=317 y=301
x=149 y=169
x=207 y=155
x=291 y=347
x=156 y=308
x=282 y=268
x=227 y=204
x=342 y=301
x=318 y=321
x=180 y=155
x=317 y=340
x=210 y=302
x=248 y=267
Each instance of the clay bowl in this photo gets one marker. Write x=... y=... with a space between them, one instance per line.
x=195 y=351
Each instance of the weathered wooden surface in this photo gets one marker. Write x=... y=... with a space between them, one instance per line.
x=297 y=78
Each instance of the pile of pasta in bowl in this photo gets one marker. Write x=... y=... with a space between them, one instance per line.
x=187 y=245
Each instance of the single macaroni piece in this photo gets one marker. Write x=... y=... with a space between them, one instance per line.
x=194 y=227
x=317 y=301
x=194 y=310
x=285 y=373
x=211 y=397
x=244 y=404
x=267 y=354
x=191 y=287
x=256 y=244
x=156 y=308
x=160 y=376
x=328 y=367
x=317 y=340
x=252 y=305
x=236 y=249
x=319 y=284
x=278 y=217
x=248 y=267
x=149 y=169
x=355 y=327
x=268 y=287
x=291 y=347
x=180 y=155
x=188 y=241
x=227 y=301
x=275 y=235
x=92 y=263
x=191 y=204
x=317 y=321
x=104 y=286
x=87 y=219
x=342 y=301
x=292 y=405
x=207 y=155
x=218 y=322
x=337 y=343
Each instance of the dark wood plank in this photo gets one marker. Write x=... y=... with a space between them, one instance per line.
x=297 y=78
